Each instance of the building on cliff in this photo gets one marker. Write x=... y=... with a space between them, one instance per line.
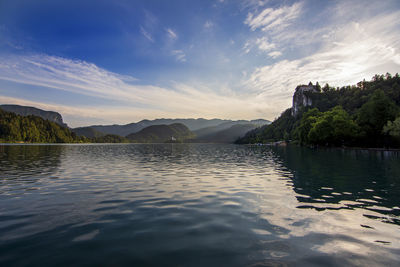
x=300 y=99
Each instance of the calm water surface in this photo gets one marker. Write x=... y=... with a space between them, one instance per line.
x=197 y=205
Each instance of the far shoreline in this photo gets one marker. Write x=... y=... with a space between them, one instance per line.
x=271 y=144
x=281 y=144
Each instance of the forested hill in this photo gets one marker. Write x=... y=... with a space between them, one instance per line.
x=176 y=132
x=192 y=124
x=366 y=114
x=44 y=114
x=33 y=129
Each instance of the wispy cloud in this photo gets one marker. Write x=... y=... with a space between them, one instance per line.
x=358 y=51
x=274 y=54
x=171 y=34
x=264 y=45
x=146 y=34
x=135 y=101
x=271 y=19
x=179 y=55
x=271 y=26
x=208 y=24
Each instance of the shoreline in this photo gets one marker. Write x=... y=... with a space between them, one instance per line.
x=271 y=144
x=284 y=144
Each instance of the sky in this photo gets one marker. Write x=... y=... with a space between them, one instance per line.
x=117 y=62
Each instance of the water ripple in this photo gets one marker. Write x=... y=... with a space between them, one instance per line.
x=196 y=205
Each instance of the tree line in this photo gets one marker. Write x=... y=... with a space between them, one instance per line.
x=34 y=129
x=365 y=115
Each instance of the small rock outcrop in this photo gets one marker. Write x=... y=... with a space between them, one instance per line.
x=300 y=99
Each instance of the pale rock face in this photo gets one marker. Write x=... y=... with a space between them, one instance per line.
x=300 y=99
x=25 y=111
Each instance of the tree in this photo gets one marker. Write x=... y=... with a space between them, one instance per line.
x=392 y=128
x=318 y=87
x=374 y=114
x=16 y=128
x=326 y=88
x=306 y=122
x=333 y=127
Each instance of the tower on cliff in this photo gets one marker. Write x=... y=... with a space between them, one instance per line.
x=300 y=99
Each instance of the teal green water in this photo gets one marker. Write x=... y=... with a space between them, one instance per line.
x=197 y=205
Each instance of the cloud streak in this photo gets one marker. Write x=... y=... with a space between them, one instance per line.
x=171 y=34
x=146 y=34
x=271 y=19
x=208 y=24
x=179 y=55
x=356 y=50
x=136 y=101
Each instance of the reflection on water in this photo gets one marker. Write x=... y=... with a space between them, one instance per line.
x=196 y=205
x=23 y=165
x=347 y=178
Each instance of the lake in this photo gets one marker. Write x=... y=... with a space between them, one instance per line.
x=198 y=205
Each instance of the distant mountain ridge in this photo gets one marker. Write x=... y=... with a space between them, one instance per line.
x=26 y=111
x=188 y=130
x=225 y=135
x=192 y=124
x=161 y=134
x=88 y=132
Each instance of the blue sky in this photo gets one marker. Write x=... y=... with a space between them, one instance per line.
x=101 y=62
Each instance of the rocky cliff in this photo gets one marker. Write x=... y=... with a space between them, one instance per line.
x=25 y=111
x=300 y=98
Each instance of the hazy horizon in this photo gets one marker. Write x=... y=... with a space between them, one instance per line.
x=99 y=62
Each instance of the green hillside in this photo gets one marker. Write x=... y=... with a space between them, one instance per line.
x=162 y=134
x=33 y=129
x=26 y=111
x=229 y=135
x=88 y=132
x=109 y=138
x=366 y=114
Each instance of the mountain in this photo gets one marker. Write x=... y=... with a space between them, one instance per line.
x=25 y=111
x=208 y=131
x=227 y=135
x=109 y=138
x=162 y=134
x=88 y=132
x=362 y=115
x=192 y=124
x=33 y=129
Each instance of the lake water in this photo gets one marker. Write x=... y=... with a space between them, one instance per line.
x=197 y=205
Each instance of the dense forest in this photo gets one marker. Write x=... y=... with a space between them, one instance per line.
x=109 y=138
x=34 y=129
x=366 y=115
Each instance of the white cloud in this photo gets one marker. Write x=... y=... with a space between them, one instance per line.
x=264 y=45
x=135 y=102
x=179 y=55
x=359 y=50
x=273 y=27
x=247 y=47
x=261 y=43
x=208 y=24
x=146 y=34
x=274 y=54
x=171 y=34
x=271 y=19
x=353 y=44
